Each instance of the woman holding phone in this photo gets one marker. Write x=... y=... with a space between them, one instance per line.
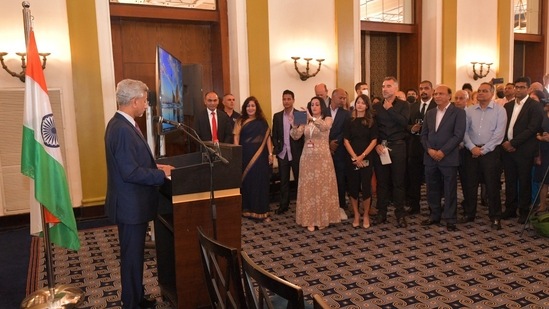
x=360 y=138
x=317 y=200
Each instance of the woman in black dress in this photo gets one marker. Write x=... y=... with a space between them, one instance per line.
x=360 y=138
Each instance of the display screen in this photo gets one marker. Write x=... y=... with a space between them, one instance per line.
x=169 y=88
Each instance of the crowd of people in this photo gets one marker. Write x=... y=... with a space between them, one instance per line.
x=342 y=152
x=338 y=151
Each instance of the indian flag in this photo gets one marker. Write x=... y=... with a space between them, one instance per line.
x=41 y=157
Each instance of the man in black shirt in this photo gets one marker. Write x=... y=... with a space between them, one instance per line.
x=392 y=117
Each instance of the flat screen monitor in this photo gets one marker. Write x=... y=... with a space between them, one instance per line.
x=169 y=89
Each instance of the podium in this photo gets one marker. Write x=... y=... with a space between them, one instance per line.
x=184 y=206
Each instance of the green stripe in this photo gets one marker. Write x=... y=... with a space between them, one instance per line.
x=51 y=189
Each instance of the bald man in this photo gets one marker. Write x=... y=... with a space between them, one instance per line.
x=460 y=99
x=443 y=129
x=535 y=86
x=322 y=91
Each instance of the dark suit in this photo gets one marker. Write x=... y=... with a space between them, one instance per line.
x=441 y=176
x=340 y=156
x=224 y=126
x=414 y=166
x=132 y=199
x=284 y=164
x=517 y=165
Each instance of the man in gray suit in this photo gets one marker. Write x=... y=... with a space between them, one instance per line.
x=443 y=130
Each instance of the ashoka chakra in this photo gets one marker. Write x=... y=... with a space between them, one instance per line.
x=49 y=133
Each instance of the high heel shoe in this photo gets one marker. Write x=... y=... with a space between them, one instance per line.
x=356 y=223
x=311 y=228
x=366 y=225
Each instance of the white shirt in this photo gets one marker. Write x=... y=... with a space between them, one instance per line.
x=440 y=115
x=426 y=105
x=333 y=112
x=516 y=111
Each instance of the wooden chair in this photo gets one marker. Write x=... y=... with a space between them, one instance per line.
x=265 y=290
x=222 y=273
x=319 y=302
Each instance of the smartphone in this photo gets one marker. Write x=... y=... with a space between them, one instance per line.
x=300 y=117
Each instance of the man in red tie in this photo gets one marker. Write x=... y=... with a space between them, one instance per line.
x=212 y=125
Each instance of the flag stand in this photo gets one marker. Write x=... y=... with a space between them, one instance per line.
x=60 y=296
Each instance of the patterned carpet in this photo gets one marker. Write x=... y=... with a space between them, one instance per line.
x=382 y=267
x=94 y=269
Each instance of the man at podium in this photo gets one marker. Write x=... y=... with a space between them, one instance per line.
x=132 y=194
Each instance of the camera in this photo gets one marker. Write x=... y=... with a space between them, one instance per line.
x=496 y=81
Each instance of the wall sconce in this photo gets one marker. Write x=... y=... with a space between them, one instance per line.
x=305 y=75
x=21 y=75
x=480 y=74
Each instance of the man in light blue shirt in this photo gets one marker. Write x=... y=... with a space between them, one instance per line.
x=486 y=122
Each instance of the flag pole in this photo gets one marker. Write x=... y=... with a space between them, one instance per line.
x=62 y=296
x=48 y=254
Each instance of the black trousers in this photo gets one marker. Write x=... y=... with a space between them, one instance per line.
x=392 y=174
x=487 y=167
x=415 y=171
x=518 y=182
x=340 y=167
x=284 y=166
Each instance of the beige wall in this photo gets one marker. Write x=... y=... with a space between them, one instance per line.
x=51 y=31
x=304 y=28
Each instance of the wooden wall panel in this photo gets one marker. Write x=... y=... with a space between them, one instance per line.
x=134 y=49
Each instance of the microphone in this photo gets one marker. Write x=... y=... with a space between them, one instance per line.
x=173 y=123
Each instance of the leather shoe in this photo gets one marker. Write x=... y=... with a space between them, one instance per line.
x=401 y=222
x=466 y=219
x=451 y=227
x=281 y=210
x=429 y=222
x=147 y=303
x=380 y=220
x=413 y=211
x=508 y=215
x=496 y=224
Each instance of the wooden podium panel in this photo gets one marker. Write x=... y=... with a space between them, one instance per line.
x=180 y=273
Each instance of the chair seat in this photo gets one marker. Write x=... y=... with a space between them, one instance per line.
x=263 y=288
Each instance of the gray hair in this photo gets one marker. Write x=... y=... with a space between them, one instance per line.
x=128 y=89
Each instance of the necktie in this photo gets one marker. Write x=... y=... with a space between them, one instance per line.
x=423 y=109
x=138 y=129
x=214 y=128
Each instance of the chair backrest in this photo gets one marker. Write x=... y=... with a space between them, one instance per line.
x=319 y=302
x=222 y=273
x=265 y=290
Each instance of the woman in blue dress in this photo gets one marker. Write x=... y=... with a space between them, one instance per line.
x=252 y=132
